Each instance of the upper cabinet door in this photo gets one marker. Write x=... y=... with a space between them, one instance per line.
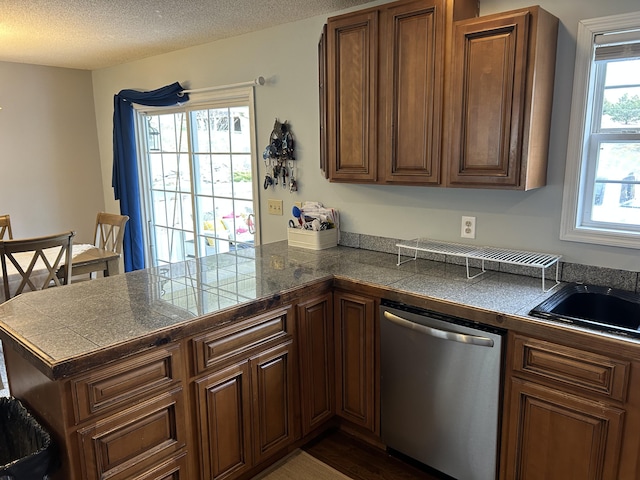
x=488 y=86
x=412 y=70
x=352 y=72
x=500 y=63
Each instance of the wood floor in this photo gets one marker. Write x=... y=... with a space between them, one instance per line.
x=364 y=462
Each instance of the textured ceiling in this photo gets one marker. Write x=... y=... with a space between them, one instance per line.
x=92 y=34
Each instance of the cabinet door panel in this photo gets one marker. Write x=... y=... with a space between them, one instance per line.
x=351 y=92
x=355 y=382
x=556 y=436
x=271 y=377
x=413 y=35
x=315 y=347
x=223 y=407
x=489 y=73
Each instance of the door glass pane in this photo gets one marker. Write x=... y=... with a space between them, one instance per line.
x=241 y=132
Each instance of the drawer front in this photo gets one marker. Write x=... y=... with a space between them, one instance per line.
x=121 y=383
x=215 y=347
x=174 y=469
x=584 y=370
x=134 y=441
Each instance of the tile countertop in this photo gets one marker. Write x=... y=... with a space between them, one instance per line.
x=60 y=326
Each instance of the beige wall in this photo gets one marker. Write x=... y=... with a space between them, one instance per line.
x=286 y=56
x=49 y=161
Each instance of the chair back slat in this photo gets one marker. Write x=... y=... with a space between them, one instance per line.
x=43 y=257
x=109 y=232
x=5 y=227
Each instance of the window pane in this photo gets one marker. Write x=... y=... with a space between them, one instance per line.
x=172 y=245
x=200 y=130
x=616 y=197
x=203 y=174
x=243 y=222
x=169 y=171
x=621 y=104
x=172 y=129
x=222 y=175
x=219 y=130
x=184 y=173
x=156 y=168
x=241 y=133
x=242 y=186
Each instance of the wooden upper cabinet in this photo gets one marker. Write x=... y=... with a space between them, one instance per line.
x=351 y=89
x=384 y=90
x=412 y=44
x=499 y=136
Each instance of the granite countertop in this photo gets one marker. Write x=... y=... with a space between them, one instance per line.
x=66 y=324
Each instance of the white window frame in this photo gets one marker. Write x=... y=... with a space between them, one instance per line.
x=200 y=100
x=578 y=167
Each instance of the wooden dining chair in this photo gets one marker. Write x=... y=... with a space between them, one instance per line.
x=5 y=227
x=34 y=263
x=109 y=231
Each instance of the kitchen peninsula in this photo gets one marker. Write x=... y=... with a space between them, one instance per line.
x=216 y=367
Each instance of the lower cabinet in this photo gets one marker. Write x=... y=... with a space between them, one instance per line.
x=133 y=440
x=560 y=436
x=316 y=360
x=224 y=422
x=356 y=372
x=130 y=418
x=565 y=413
x=245 y=413
x=272 y=384
x=245 y=393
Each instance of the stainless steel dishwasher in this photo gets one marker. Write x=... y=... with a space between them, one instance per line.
x=440 y=390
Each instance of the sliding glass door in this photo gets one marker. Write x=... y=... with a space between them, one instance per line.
x=199 y=176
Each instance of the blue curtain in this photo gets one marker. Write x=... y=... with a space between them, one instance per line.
x=125 y=180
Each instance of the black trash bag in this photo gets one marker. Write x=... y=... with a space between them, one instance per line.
x=26 y=450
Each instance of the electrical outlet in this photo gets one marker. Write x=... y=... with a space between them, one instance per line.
x=468 y=228
x=298 y=204
x=275 y=207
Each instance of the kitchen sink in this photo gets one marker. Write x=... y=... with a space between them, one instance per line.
x=593 y=306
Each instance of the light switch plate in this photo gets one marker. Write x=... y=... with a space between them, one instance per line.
x=275 y=207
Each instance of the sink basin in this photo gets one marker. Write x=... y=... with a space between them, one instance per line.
x=593 y=306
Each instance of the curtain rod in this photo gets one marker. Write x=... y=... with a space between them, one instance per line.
x=257 y=81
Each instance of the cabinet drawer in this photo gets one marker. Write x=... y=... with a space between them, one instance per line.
x=215 y=347
x=123 y=382
x=174 y=469
x=585 y=370
x=135 y=440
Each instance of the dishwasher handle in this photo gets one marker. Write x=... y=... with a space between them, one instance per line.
x=436 y=332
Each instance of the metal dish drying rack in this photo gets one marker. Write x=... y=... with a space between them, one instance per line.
x=501 y=255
